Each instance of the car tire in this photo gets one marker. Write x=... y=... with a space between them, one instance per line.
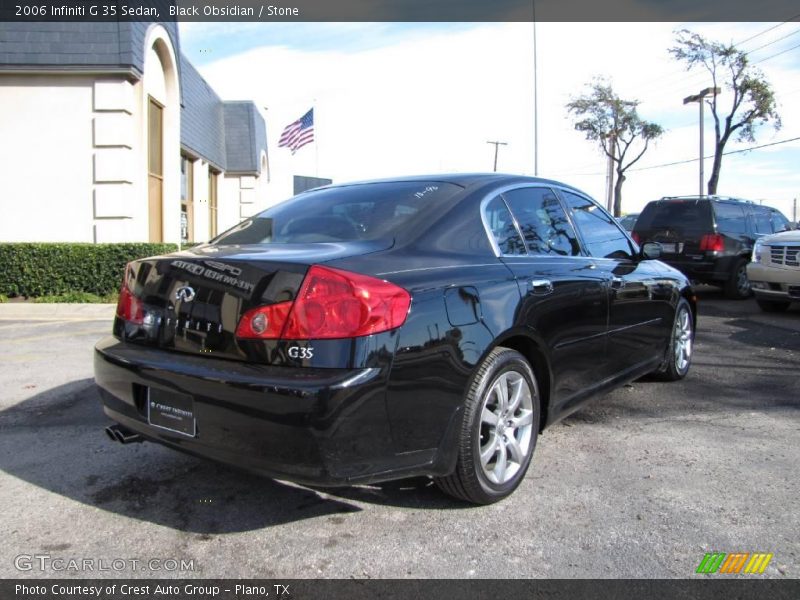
x=772 y=306
x=681 y=344
x=738 y=285
x=498 y=432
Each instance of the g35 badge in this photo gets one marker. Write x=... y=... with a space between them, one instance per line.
x=301 y=352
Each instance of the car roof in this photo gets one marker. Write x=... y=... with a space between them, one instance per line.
x=714 y=198
x=465 y=180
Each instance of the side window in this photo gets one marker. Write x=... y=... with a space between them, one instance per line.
x=779 y=222
x=543 y=222
x=501 y=223
x=601 y=234
x=762 y=221
x=730 y=218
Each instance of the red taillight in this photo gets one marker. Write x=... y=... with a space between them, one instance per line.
x=129 y=307
x=636 y=237
x=712 y=242
x=265 y=322
x=330 y=304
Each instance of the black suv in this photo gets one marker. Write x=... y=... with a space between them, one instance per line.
x=708 y=238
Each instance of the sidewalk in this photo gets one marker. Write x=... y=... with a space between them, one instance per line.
x=28 y=311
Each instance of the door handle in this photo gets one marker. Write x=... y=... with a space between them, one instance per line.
x=540 y=287
x=617 y=283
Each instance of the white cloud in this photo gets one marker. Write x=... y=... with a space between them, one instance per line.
x=430 y=103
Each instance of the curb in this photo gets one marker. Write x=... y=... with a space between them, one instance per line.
x=28 y=311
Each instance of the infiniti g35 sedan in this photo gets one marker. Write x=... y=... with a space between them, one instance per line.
x=374 y=331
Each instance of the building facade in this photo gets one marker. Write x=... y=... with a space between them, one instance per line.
x=109 y=134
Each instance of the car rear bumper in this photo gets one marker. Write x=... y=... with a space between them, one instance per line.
x=697 y=270
x=700 y=270
x=314 y=426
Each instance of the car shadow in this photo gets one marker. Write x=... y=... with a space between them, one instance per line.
x=747 y=367
x=763 y=335
x=744 y=361
x=712 y=302
x=56 y=441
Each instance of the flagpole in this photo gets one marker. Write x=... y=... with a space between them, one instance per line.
x=316 y=139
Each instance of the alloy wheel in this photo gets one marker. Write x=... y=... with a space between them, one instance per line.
x=683 y=339
x=506 y=427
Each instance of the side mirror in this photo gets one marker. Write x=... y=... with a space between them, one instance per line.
x=651 y=250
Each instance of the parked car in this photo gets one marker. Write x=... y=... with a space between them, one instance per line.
x=381 y=330
x=708 y=238
x=774 y=272
x=628 y=221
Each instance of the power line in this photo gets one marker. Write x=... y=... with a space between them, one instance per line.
x=788 y=35
x=778 y=54
x=691 y=160
x=739 y=151
x=791 y=93
x=752 y=37
x=689 y=78
x=661 y=83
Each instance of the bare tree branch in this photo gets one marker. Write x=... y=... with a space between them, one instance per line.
x=753 y=101
x=615 y=124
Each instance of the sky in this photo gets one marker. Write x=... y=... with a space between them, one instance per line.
x=393 y=99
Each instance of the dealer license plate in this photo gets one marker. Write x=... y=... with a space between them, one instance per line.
x=172 y=411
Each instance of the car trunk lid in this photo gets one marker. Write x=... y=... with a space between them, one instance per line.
x=192 y=301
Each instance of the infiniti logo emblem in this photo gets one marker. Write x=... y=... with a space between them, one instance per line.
x=185 y=294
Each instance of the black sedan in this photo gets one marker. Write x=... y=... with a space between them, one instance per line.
x=374 y=331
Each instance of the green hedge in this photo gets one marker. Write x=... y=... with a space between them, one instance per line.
x=34 y=269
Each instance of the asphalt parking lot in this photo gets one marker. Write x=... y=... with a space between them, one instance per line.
x=641 y=483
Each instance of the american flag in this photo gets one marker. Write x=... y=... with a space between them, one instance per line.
x=298 y=134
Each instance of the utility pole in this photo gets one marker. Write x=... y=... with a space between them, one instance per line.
x=496 y=146
x=612 y=147
x=794 y=212
x=699 y=99
x=610 y=185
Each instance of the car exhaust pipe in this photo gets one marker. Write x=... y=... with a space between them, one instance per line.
x=118 y=433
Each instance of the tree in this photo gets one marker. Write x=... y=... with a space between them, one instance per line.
x=753 y=102
x=604 y=117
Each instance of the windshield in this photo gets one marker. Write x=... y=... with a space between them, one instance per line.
x=369 y=211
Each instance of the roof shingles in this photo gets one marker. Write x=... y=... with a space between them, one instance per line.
x=229 y=135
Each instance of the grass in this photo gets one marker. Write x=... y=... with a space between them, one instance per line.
x=3 y=298
x=78 y=297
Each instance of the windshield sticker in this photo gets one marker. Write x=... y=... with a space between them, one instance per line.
x=427 y=190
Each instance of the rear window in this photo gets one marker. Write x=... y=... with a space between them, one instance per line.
x=669 y=214
x=369 y=211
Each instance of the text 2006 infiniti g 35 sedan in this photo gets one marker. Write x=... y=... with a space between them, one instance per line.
x=374 y=331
